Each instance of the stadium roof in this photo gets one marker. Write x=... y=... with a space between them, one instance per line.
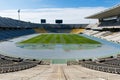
x=114 y=11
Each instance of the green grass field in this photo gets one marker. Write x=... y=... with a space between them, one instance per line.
x=60 y=39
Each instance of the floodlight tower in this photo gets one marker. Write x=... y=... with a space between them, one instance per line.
x=18 y=14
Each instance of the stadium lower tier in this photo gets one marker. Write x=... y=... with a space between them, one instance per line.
x=9 y=34
x=109 y=64
x=107 y=35
x=11 y=64
x=59 y=72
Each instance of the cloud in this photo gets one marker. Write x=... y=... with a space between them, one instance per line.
x=69 y=15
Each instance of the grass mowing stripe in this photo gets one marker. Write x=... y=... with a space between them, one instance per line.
x=73 y=39
x=68 y=41
x=52 y=40
x=62 y=39
x=47 y=39
x=77 y=40
x=58 y=39
x=42 y=39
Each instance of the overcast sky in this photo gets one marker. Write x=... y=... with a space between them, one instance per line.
x=71 y=11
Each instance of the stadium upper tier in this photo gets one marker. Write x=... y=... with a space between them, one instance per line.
x=108 y=18
x=114 y=11
x=12 y=23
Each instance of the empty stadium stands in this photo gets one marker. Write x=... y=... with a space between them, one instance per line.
x=77 y=31
x=12 y=23
x=12 y=33
x=11 y=64
x=11 y=28
x=56 y=30
x=40 y=30
x=107 y=35
x=109 y=64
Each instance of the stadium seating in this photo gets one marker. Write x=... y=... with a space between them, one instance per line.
x=77 y=31
x=109 y=23
x=16 y=67
x=40 y=30
x=107 y=35
x=12 y=23
x=11 y=64
x=111 y=65
x=9 y=34
x=58 y=30
x=11 y=28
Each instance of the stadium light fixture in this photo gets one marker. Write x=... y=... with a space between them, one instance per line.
x=19 y=14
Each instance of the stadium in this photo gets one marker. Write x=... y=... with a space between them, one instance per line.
x=44 y=51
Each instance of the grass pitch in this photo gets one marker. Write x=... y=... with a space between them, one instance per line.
x=60 y=39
